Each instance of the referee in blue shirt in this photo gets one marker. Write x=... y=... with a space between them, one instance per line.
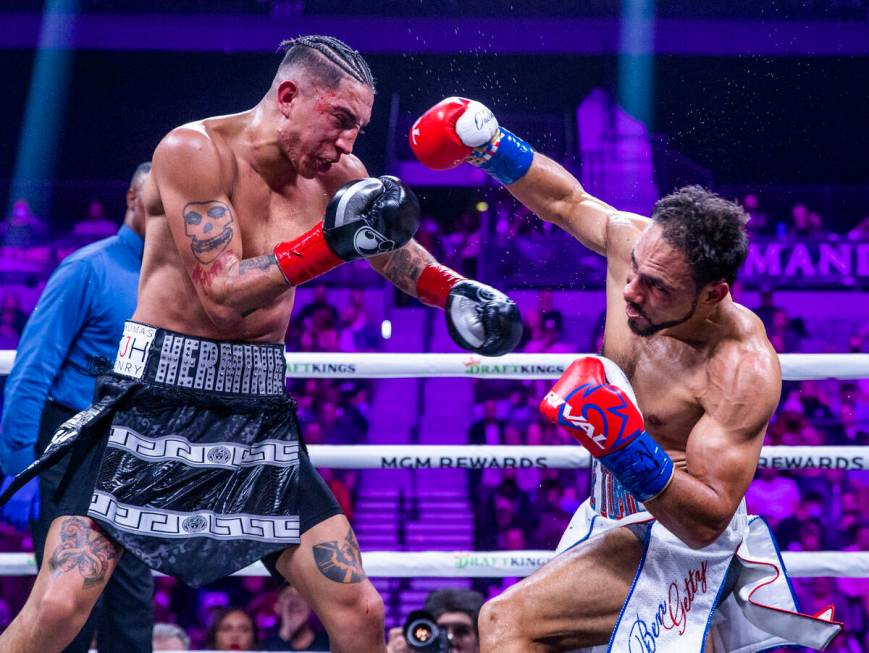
x=73 y=332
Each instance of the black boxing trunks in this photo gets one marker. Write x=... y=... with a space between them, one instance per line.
x=190 y=456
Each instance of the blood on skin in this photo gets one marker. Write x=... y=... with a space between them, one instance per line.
x=204 y=275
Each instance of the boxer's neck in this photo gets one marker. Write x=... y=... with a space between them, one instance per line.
x=263 y=150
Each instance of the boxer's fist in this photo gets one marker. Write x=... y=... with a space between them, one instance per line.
x=370 y=216
x=365 y=218
x=482 y=319
x=604 y=419
x=600 y=415
x=445 y=135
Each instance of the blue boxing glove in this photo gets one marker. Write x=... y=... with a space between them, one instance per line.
x=604 y=419
x=23 y=507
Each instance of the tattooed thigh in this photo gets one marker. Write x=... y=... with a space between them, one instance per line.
x=85 y=549
x=340 y=560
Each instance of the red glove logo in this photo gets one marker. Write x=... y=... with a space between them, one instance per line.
x=603 y=413
x=598 y=414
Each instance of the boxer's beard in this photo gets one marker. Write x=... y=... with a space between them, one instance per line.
x=652 y=328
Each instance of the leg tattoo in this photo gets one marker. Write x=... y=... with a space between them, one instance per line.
x=82 y=548
x=340 y=561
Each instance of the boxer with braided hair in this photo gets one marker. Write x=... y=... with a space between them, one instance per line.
x=191 y=459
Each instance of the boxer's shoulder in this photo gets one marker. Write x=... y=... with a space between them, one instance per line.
x=195 y=147
x=744 y=364
x=623 y=229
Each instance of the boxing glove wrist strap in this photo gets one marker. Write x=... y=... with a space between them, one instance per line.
x=506 y=157
x=434 y=284
x=306 y=257
x=642 y=467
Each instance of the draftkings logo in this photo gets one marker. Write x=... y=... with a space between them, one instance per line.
x=474 y=366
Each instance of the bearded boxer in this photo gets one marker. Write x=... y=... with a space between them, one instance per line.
x=190 y=457
x=646 y=560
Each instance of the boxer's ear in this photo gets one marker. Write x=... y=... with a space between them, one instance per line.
x=287 y=91
x=714 y=292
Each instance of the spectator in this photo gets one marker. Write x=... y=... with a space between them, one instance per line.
x=12 y=320
x=296 y=631
x=773 y=495
x=852 y=429
x=464 y=244
x=233 y=630
x=95 y=226
x=860 y=230
x=550 y=337
x=810 y=508
x=766 y=309
x=815 y=402
x=212 y=605
x=786 y=334
x=5 y=615
x=170 y=637
x=357 y=331
x=805 y=223
x=489 y=429
x=431 y=237
x=759 y=221
x=22 y=229
x=455 y=610
x=505 y=507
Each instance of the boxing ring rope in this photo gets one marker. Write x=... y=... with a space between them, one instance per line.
x=408 y=456
x=795 y=367
x=501 y=564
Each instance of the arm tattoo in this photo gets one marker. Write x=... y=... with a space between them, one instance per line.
x=340 y=561
x=209 y=226
x=85 y=548
x=263 y=262
x=404 y=266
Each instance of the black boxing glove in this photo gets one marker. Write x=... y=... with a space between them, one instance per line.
x=365 y=218
x=479 y=317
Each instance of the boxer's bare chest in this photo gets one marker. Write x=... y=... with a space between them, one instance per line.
x=269 y=214
x=668 y=378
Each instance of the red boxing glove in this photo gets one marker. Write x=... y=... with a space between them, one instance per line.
x=445 y=135
x=599 y=415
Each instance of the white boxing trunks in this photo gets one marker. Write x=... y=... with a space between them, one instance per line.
x=735 y=592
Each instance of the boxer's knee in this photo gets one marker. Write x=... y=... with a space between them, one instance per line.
x=61 y=608
x=359 y=616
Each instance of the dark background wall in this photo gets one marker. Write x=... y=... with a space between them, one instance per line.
x=750 y=120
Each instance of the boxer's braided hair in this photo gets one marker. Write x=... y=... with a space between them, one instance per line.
x=347 y=60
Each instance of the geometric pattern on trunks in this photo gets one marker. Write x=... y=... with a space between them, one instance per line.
x=221 y=455
x=201 y=523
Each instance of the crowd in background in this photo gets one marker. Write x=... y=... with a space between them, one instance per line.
x=809 y=510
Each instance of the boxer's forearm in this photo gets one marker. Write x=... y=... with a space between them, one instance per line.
x=234 y=288
x=403 y=266
x=692 y=510
x=555 y=195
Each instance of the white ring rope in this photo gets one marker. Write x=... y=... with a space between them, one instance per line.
x=408 y=456
x=502 y=564
x=795 y=367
